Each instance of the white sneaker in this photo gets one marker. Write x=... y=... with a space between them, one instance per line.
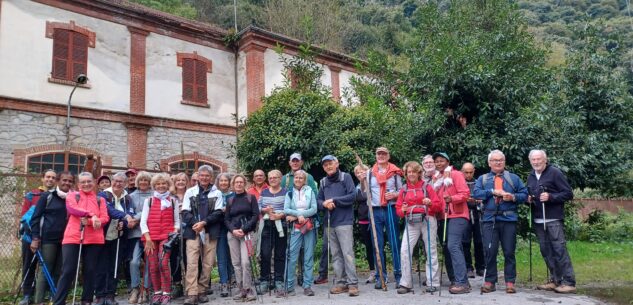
x=371 y=278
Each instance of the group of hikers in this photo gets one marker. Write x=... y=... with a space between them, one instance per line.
x=164 y=233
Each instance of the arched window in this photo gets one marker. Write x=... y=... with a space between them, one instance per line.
x=58 y=161
x=190 y=166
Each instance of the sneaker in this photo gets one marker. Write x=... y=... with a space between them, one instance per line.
x=480 y=273
x=109 y=300
x=263 y=287
x=308 y=292
x=99 y=301
x=431 y=289
x=191 y=300
x=202 y=298
x=166 y=299
x=250 y=296
x=404 y=290
x=156 y=299
x=26 y=300
x=353 y=291
x=459 y=289
x=240 y=296
x=471 y=274
x=321 y=280
x=510 y=288
x=488 y=287
x=565 y=289
x=338 y=289
x=209 y=290
x=371 y=278
x=549 y=286
x=178 y=292
x=280 y=293
x=224 y=290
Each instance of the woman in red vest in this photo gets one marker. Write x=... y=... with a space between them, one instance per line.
x=160 y=217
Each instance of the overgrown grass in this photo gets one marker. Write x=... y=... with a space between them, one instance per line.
x=594 y=263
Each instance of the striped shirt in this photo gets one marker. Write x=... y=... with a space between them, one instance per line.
x=274 y=200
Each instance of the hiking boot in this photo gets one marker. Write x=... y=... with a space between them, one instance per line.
x=488 y=287
x=510 y=288
x=280 y=293
x=338 y=289
x=308 y=292
x=240 y=296
x=549 y=286
x=250 y=296
x=471 y=274
x=202 y=298
x=178 y=292
x=371 y=278
x=565 y=289
x=209 y=290
x=480 y=273
x=431 y=289
x=191 y=300
x=378 y=284
x=26 y=300
x=321 y=280
x=404 y=290
x=142 y=297
x=109 y=300
x=224 y=290
x=353 y=291
x=459 y=289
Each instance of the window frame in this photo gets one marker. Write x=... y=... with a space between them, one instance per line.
x=52 y=164
x=194 y=78
x=72 y=52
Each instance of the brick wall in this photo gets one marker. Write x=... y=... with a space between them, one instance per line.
x=255 y=77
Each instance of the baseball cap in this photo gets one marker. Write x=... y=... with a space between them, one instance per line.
x=441 y=154
x=130 y=171
x=382 y=149
x=328 y=158
x=295 y=156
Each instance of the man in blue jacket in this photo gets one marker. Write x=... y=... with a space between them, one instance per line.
x=549 y=190
x=500 y=192
x=337 y=194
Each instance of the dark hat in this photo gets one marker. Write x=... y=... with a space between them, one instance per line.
x=102 y=178
x=328 y=158
x=131 y=171
x=441 y=154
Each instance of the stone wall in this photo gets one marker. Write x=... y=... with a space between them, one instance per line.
x=163 y=143
x=21 y=129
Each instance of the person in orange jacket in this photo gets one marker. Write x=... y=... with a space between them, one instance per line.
x=87 y=213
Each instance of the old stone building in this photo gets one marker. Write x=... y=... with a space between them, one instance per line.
x=159 y=85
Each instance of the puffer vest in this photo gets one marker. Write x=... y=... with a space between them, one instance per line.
x=160 y=223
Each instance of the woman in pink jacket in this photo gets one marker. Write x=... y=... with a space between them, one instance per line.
x=86 y=215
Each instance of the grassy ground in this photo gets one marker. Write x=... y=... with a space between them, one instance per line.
x=594 y=263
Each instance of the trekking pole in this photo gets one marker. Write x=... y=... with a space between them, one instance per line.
x=394 y=237
x=290 y=226
x=530 y=239
x=248 y=239
x=406 y=224
x=81 y=243
x=365 y=185
x=116 y=257
x=329 y=215
x=270 y=231
x=26 y=275
x=488 y=257
x=430 y=257
x=47 y=274
x=543 y=190
x=443 y=243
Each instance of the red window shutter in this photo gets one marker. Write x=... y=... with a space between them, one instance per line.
x=79 y=54
x=201 y=82
x=61 y=51
x=188 y=79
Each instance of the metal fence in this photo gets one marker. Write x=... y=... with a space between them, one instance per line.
x=12 y=189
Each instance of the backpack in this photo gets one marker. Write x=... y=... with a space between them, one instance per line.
x=506 y=177
x=341 y=178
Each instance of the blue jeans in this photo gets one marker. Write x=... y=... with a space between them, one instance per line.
x=308 y=242
x=386 y=220
x=454 y=237
x=135 y=264
x=225 y=268
x=504 y=232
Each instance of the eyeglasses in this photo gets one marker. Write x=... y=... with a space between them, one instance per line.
x=273 y=178
x=497 y=160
